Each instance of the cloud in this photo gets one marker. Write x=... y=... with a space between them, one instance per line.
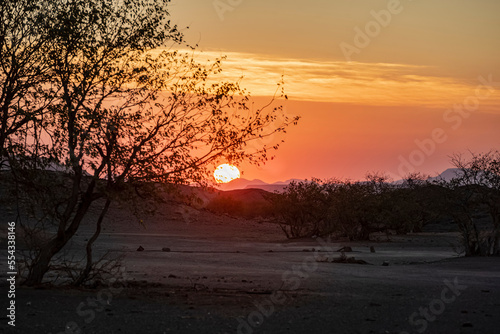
x=346 y=82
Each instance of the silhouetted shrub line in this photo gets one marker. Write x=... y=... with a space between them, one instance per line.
x=355 y=210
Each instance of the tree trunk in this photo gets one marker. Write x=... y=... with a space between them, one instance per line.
x=85 y=272
x=41 y=264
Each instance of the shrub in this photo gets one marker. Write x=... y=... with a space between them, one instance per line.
x=353 y=209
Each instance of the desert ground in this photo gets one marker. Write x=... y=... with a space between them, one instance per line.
x=206 y=273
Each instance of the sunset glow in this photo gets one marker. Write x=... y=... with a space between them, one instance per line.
x=368 y=100
x=381 y=84
x=226 y=173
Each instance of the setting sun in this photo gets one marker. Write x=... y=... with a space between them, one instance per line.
x=226 y=173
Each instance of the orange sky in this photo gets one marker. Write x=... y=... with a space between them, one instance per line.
x=347 y=141
x=415 y=72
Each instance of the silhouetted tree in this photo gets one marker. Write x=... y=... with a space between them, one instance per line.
x=411 y=205
x=303 y=209
x=474 y=190
x=24 y=92
x=128 y=112
x=358 y=207
x=351 y=209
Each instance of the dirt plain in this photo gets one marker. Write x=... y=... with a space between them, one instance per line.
x=226 y=275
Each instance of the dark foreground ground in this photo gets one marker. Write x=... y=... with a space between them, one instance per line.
x=348 y=301
x=223 y=275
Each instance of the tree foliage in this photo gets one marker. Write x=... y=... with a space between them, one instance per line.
x=24 y=69
x=123 y=110
x=304 y=208
x=473 y=192
x=333 y=207
x=356 y=209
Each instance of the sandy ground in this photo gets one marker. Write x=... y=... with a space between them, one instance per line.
x=224 y=275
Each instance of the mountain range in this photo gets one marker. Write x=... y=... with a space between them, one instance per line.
x=255 y=184
x=279 y=186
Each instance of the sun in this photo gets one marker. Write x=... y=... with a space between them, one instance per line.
x=226 y=173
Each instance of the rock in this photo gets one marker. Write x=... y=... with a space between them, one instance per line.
x=385 y=263
x=322 y=259
x=140 y=249
x=345 y=249
x=165 y=249
x=372 y=249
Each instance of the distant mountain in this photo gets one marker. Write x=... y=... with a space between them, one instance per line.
x=447 y=175
x=241 y=184
x=256 y=184
x=279 y=186
x=50 y=167
x=269 y=187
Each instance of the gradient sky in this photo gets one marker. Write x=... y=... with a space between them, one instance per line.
x=410 y=79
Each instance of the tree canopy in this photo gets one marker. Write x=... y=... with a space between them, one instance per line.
x=96 y=89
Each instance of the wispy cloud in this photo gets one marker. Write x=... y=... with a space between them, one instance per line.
x=346 y=82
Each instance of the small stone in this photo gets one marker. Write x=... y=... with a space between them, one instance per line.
x=467 y=324
x=165 y=249
x=140 y=249
x=372 y=249
x=385 y=263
